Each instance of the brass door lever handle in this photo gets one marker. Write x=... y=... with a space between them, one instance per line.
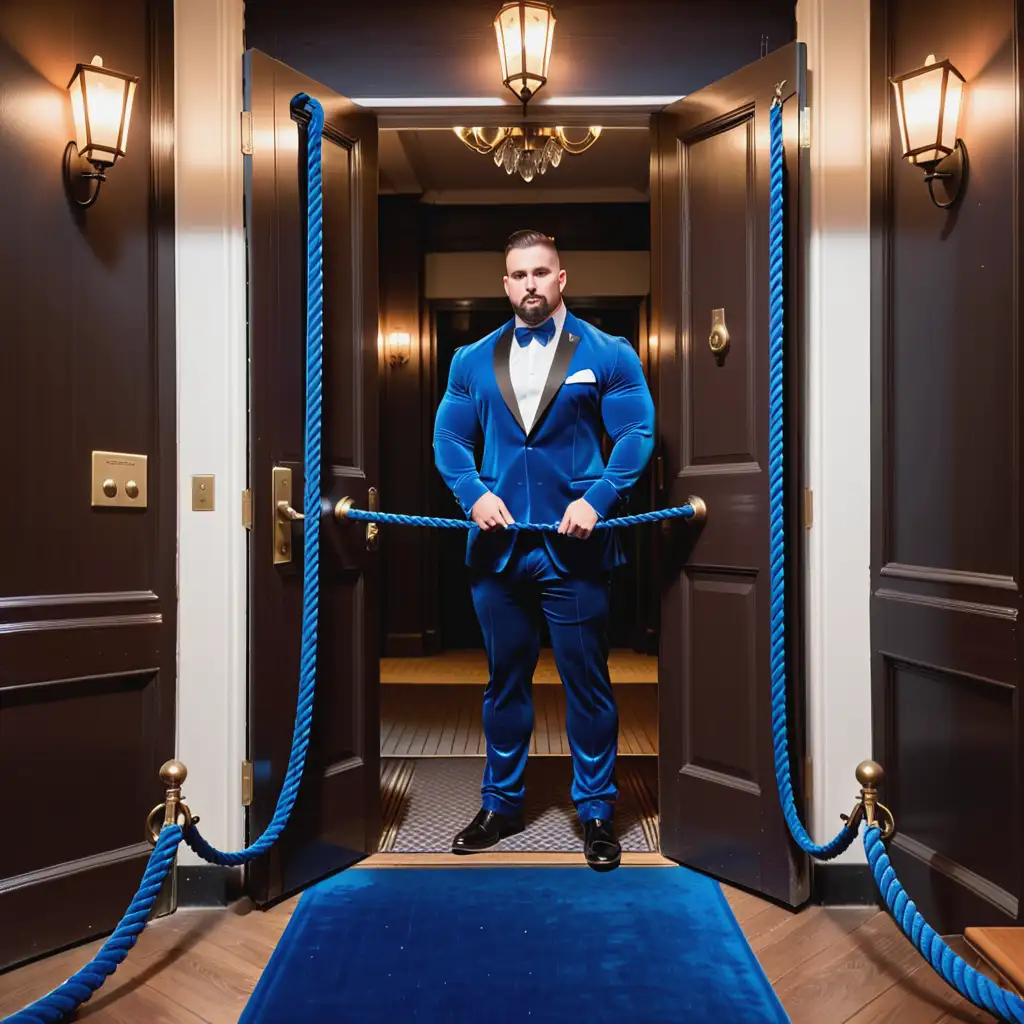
x=285 y=511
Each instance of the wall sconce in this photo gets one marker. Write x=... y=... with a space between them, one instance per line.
x=397 y=348
x=525 y=30
x=928 y=111
x=101 y=102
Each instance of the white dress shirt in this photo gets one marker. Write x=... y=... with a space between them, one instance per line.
x=529 y=366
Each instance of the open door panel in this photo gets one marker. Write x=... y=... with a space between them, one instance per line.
x=720 y=808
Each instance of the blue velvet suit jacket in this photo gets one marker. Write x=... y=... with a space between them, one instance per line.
x=538 y=473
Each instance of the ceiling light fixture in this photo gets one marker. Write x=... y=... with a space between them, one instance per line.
x=525 y=30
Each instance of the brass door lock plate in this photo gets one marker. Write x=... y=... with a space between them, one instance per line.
x=119 y=480
x=718 y=341
x=283 y=514
x=372 y=530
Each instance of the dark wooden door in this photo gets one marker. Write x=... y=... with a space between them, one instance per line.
x=87 y=591
x=719 y=802
x=336 y=819
x=946 y=510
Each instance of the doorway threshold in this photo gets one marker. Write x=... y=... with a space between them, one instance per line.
x=511 y=858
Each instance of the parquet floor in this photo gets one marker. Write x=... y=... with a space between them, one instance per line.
x=431 y=720
x=829 y=966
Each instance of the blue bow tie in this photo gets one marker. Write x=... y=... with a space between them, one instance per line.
x=542 y=332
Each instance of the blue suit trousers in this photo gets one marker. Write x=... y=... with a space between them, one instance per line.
x=509 y=605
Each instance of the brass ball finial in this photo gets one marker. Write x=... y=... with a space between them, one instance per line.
x=870 y=773
x=173 y=773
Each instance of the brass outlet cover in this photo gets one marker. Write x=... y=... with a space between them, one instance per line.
x=119 y=480
x=202 y=493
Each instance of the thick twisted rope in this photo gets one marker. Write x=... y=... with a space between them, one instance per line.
x=954 y=969
x=312 y=504
x=780 y=733
x=394 y=519
x=65 y=999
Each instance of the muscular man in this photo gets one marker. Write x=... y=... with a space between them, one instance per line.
x=541 y=388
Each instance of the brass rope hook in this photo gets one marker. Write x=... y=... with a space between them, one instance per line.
x=870 y=775
x=174 y=810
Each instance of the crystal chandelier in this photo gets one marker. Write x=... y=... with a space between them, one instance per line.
x=525 y=31
x=529 y=150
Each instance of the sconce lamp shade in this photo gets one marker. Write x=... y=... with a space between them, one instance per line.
x=928 y=111
x=397 y=348
x=525 y=30
x=101 y=103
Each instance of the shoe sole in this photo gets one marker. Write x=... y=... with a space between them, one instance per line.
x=604 y=865
x=462 y=850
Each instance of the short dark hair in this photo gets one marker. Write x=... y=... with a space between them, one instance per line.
x=528 y=237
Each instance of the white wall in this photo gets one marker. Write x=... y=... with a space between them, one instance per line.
x=838 y=437
x=211 y=339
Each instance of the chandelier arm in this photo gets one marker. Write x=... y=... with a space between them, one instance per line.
x=472 y=142
x=576 y=147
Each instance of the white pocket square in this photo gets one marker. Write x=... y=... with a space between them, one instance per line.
x=581 y=377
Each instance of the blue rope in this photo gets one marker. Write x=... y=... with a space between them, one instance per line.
x=780 y=733
x=65 y=999
x=361 y=515
x=956 y=971
x=312 y=507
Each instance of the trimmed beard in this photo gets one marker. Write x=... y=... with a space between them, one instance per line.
x=533 y=313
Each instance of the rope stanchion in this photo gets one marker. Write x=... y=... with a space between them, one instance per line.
x=312 y=505
x=780 y=728
x=79 y=988
x=879 y=823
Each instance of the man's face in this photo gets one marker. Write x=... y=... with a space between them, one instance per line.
x=534 y=282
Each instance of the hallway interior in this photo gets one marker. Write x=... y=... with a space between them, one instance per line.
x=840 y=965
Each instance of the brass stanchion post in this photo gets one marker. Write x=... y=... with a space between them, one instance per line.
x=173 y=810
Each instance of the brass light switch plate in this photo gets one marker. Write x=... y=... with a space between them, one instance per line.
x=119 y=480
x=202 y=493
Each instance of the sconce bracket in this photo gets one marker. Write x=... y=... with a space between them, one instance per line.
x=950 y=173
x=75 y=176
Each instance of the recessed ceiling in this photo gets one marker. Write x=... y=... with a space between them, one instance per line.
x=436 y=163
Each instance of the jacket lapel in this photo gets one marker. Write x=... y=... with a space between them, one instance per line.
x=556 y=375
x=502 y=374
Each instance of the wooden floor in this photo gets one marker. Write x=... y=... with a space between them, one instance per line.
x=471 y=667
x=828 y=966
x=429 y=720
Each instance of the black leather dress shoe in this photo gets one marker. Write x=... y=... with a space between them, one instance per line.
x=485 y=830
x=600 y=846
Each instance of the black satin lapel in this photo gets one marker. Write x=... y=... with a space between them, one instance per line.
x=556 y=375
x=503 y=375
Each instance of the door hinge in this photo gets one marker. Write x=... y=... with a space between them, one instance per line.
x=247 y=508
x=808 y=779
x=808 y=508
x=246 y=783
x=660 y=472
x=805 y=127
x=246 y=128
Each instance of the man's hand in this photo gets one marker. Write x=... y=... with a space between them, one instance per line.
x=489 y=513
x=579 y=520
